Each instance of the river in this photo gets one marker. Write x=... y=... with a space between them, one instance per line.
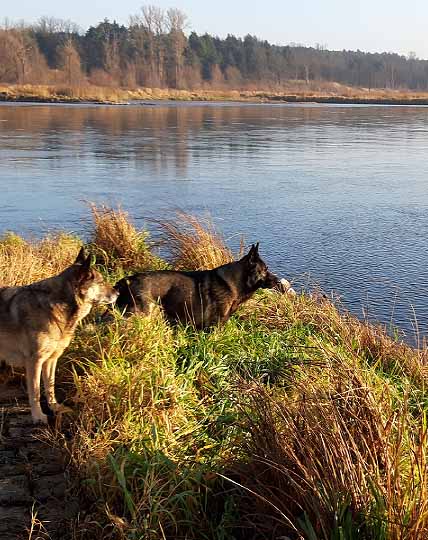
x=337 y=196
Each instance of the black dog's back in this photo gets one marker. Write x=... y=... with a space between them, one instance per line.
x=202 y=298
x=172 y=289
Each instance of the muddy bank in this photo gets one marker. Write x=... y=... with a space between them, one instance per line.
x=34 y=498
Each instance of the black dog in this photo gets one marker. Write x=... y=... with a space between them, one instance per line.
x=202 y=298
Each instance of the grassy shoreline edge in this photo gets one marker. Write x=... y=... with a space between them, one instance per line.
x=106 y=95
x=292 y=420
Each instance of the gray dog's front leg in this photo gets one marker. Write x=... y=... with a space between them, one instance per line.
x=33 y=370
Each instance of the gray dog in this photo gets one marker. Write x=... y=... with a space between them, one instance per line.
x=37 y=322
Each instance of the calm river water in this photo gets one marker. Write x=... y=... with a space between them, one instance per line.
x=336 y=195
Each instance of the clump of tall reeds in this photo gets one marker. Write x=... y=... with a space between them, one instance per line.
x=335 y=456
x=193 y=243
x=89 y=92
x=118 y=245
x=64 y=93
x=23 y=262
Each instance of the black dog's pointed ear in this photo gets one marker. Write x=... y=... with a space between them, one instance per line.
x=254 y=252
x=81 y=257
x=86 y=265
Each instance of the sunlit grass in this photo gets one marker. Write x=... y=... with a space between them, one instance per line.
x=63 y=93
x=22 y=262
x=290 y=91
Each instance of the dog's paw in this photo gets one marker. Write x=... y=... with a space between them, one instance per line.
x=59 y=408
x=39 y=418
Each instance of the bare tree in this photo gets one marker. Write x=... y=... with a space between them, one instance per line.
x=69 y=61
x=20 y=58
x=176 y=22
x=8 y=60
x=6 y=24
x=52 y=25
x=158 y=18
x=112 y=60
x=148 y=26
x=148 y=30
x=21 y=55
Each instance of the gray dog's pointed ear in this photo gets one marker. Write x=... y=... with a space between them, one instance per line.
x=81 y=257
x=83 y=270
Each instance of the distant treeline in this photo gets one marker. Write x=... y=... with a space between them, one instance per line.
x=154 y=51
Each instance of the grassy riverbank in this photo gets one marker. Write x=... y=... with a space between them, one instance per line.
x=297 y=92
x=292 y=420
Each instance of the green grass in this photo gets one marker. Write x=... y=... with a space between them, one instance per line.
x=174 y=434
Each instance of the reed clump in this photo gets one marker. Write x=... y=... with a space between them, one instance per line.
x=118 y=245
x=63 y=93
x=336 y=456
x=193 y=243
x=22 y=261
x=291 y=92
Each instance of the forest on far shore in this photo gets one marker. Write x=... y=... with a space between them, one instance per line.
x=156 y=50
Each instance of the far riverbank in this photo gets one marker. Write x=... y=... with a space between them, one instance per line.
x=334 y=94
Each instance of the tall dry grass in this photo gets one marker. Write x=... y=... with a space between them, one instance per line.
x=63 y=93
x=193 y=243
x=292 y=91
x=118 y=245
x=336 y=456
x=23 y=262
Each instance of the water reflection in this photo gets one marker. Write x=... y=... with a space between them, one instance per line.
x=336 y=193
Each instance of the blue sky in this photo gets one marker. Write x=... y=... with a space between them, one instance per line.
x=369 y=25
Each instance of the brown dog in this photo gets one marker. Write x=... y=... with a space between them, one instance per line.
x=202 y=298
x=37 y=322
